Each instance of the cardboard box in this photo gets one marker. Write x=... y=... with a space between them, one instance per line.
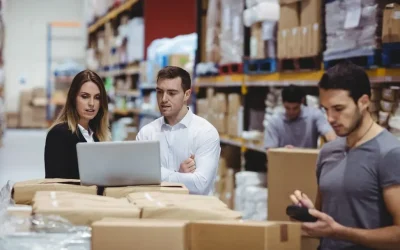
x=244 y=235
x=228 y=193
x=82 y=209
x=165 y=187
x=24 y=192
x=183 y=235
x=12 y=120
x=289 y=16
x=76 y=199
x=202 y=106
x=315 y=44
x=310 y=12
x=283 y=43
x=178 y=60
x=86 y=215
x=290 y=170
x=391 y=24
x=234 y=103
x=220 y=122
x=257 y=49
x=232 y=126
x=38 y=93
x=21 y=211
x=140 y=234
x=294 y=45
x=220 y=103
x=155 y=205
x=304 y=40
x=288 y=1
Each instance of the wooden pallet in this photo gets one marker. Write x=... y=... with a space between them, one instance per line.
x=260 y=66
x=300 y=64
x=230 y=68
x=368 y=62
x=391 y=55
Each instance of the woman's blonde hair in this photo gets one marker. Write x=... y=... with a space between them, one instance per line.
x=69 y=114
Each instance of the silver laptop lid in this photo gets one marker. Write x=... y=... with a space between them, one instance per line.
x=119 y=163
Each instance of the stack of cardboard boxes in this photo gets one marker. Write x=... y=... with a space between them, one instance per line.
x=299 y=29
x=180 y=221
x=32 y=113
x=195 y=235
x=223 y=111
x=211 y=24
x=263 y=41
x=225 y=183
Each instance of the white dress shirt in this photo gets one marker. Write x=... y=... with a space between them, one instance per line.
x=192 y=135
x=88 y=134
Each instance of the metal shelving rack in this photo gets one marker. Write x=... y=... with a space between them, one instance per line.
x=50 y=39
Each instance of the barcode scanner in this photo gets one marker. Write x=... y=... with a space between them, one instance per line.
x=300 y=214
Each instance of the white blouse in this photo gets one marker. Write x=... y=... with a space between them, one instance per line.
x=88 y=134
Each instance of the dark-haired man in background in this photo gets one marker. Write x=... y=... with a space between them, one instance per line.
x=300 y=126
x=358 y=201
x=189 y=144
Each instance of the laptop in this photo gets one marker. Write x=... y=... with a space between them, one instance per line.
x=112 y=164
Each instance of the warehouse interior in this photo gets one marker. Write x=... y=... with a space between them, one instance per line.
x=240 y=55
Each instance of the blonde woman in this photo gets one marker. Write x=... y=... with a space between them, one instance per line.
x=83 y=119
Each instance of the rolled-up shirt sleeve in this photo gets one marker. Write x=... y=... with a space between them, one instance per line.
x=389 y=170
x=206 y=159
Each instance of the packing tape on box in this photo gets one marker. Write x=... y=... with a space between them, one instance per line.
x=158 y=203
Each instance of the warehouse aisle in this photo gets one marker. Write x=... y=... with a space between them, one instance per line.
x=22 y=155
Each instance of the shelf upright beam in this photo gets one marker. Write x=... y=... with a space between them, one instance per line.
x=50 y=38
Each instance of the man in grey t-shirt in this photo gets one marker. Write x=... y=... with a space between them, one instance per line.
x=358 y=201
x=300 y=126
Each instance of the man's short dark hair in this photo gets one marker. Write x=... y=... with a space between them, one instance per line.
x=292 y=94
x=348 y=76
x=171 y=72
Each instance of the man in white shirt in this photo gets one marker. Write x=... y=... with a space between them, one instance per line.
x=190 y=146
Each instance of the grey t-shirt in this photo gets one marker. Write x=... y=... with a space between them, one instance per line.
x=302 y=132
x=351 y=184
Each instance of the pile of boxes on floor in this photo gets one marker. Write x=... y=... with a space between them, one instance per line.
x=32 y=110
x=223 y=111
x=123 y=217
x=385 y=108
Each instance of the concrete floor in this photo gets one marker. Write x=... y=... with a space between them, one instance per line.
x=22 y=155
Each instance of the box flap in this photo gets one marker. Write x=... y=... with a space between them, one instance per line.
x=294 y=150
x=140 y=222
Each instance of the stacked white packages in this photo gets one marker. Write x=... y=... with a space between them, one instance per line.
x=273 y=105
x=351 y=27
x=251 y=195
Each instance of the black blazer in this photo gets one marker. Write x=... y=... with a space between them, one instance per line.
x=60 y=158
